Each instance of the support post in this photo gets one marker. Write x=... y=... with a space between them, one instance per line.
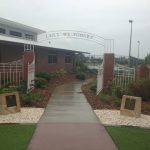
x=28 y=57
x=108 y=66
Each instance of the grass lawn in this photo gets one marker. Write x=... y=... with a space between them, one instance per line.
x=127 y=138
x=15 y=136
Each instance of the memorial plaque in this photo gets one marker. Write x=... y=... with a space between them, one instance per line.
x=129 y=104
x=9 y=103
x=11 y=100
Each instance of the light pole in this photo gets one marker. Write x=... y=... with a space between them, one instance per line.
x=130 y=21
x=138 y=52
x=138 y=49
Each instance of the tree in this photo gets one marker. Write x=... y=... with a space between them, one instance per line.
x=147 y=59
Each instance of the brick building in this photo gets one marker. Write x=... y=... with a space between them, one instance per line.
x=13 y=37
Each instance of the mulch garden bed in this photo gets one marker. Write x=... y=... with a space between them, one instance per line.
x=96 y=103
x=94 y=100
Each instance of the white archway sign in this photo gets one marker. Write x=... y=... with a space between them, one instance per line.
x=108 y=44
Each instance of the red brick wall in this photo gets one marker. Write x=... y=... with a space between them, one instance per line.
x=142 y=71
x=0 y=55
x=42 y=64
x=13 y=52
x=108 y=68
x=27 y=59
x=10 y=52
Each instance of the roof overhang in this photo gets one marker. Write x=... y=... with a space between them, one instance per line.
x=21 y=26
x=13 y=40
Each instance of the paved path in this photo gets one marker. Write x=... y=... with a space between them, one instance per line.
x=69 y=123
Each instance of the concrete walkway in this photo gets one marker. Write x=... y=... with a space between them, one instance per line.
x=69 y=123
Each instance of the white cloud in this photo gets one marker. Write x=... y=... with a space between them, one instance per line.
x=108 y=18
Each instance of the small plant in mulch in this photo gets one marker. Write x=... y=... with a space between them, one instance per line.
x=140 y=88
x=30 y=99
x=93 y=71
x=42 y=79
x=58 y=74
x=8 y=90
x=44 y=75
x=109 y=99
x=80 y=76
x=40 y=82
x=93 y=85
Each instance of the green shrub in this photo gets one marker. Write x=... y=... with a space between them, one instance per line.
x=93 y=85
x=7 y=90
x=119 y=92
x=81 y=67
x=40 y=83
x=58 y=74
x=25 y=99
x=93 y=71
x=105 y=98
x=30 y=98
x=22 y=87
x=110 y=99
x=44 y=75
x=93 y=88
x=140 y=88
x=116 y=102
x=80 y=76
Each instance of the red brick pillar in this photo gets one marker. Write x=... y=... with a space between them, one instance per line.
x=27 y=59
x=142 y=71
x=108 y=67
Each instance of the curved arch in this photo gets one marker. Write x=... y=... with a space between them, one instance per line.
x=108 y=44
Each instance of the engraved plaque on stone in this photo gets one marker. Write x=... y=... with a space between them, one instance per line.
x=129 y=104
x=9 y=103
x=11 y=100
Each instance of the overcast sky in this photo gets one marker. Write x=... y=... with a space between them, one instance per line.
x=106 y=18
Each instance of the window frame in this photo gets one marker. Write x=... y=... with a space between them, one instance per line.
x=68 y=58
x=14 y=33
x=2 y=31
x=29 y=36
x=52 y=58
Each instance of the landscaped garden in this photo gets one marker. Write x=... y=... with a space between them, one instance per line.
x=45 y=83
x=110 y=97
x=125 y=138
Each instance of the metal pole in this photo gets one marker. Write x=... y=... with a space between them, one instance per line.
x=138 y=52
x=138 y=48
x=130 y=21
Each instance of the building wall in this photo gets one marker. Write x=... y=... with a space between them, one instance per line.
x=13 y=52
x=8 y=29
x=9 y=52
x=42 y=64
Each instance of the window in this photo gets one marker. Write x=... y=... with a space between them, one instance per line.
x=29 y=37
x=14 y=33
x=52 y=58
x=67 y=58
x=3 y=31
